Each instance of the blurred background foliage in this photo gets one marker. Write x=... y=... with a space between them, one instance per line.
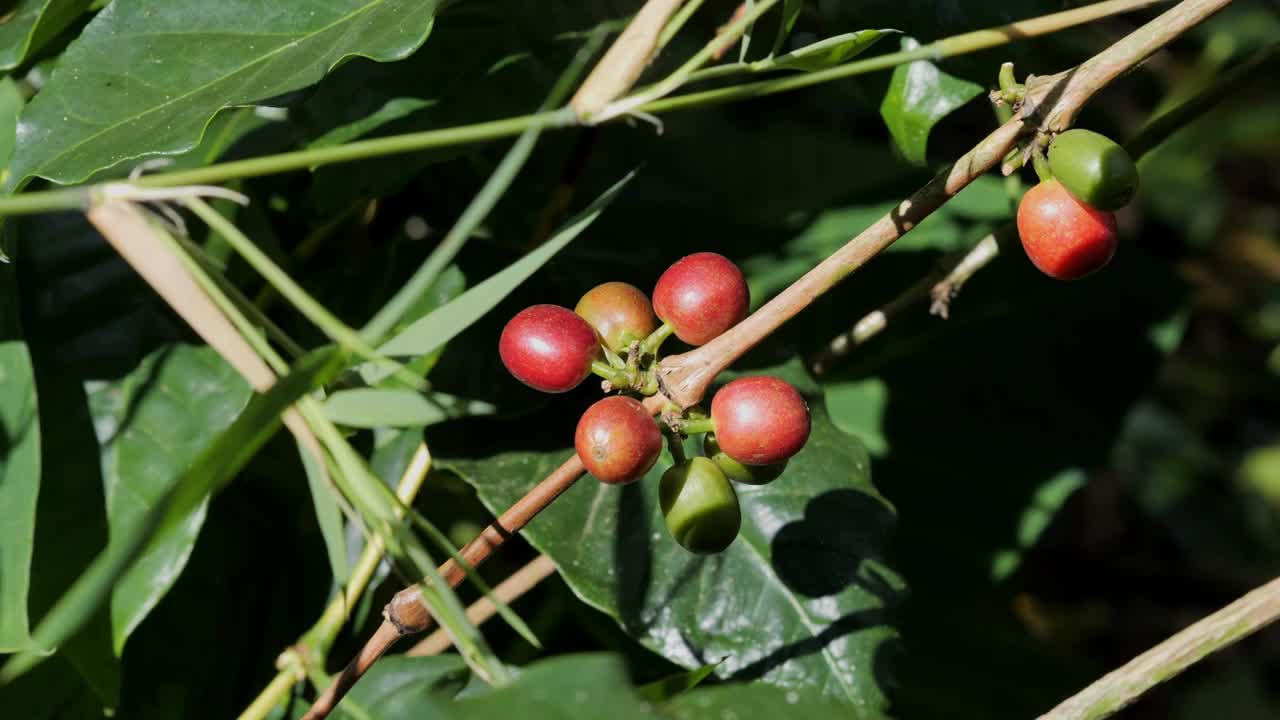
x=1078 y=470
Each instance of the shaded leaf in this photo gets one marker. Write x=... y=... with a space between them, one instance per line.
x=31 y=24
x=212 y=470
x=19 y=468
x=829 y=52
x=1035 y=518
x=672 y=685
x=156 y=71
x=857 y=407
x=798 y=600
x=376 y=407
x=152 y=424
x=919 y=96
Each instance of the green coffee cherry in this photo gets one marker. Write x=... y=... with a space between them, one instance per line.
x=736 y=471
x=699 y=506
x=1093 y=168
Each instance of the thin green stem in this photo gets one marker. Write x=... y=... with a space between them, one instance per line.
x=636 y=101
x=242 y=303
x=697 y=426
x=358 y=150
x=1041 y=165
x=676 y=22
x=78 y=197
x=386 y=319
x=948 y=47
x=617 y=377
x=654 y=342
x=318 y=314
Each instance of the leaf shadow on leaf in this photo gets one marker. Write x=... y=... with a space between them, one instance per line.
x=823 y=553
x=633 y=560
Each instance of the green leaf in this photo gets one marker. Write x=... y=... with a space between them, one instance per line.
x=442 y=325
x=857 y=407
x=829 y=52
x=798 y=600
x=212 y=470
x=398 y=687
x=19 y=468
x=32 y=23
x=151 y=425
x=757 y=702
x=324 y=499
x=919 y=96
x=393 y=109
x=376 y=407
x=672 y=685
x=574 y=687
x=155 y=73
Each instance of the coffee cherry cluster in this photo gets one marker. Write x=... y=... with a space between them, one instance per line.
x=1067 y=223
x=755 y=425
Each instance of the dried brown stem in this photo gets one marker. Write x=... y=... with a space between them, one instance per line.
x=520 y=582
x=685 y=378
x=623 y=62
x=380 y=643
x=978 y=257
x=1116 y=690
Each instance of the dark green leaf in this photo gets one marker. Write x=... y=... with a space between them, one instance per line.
x=799 y=600
x=19 y=468
x=152 y=424
x=857 y=407
x=156 y=71
x=757 y=702
x=32 y=23
x=829 y=52
x=212 y=470
x=791 y=10
x=919 y=96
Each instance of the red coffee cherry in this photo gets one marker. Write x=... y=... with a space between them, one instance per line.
x=760 y=420
x=619 y=312
x=1064 y=238
x=701 y=296
x=617 y=440
x=548 y=348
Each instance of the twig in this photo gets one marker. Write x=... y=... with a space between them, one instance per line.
x=685 y=378
x=871 y=324
x=520 y=582
x=1119 y=688
x=977 y=258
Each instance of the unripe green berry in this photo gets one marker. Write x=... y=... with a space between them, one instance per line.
x=739 y=472
x=699 y=506
x=1093 y=168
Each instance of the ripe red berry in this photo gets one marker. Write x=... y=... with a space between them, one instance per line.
x=548 y=348
x=760 y=420
x=619 y=312
x=701 y=296
x=1065 y=238
x=617 y=440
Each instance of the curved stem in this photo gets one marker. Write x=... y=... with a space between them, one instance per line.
x=1116 y=690
x=654 y=342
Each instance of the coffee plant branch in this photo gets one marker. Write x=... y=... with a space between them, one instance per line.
x=1156 y=131
x=686 y=378
x=74 y=198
